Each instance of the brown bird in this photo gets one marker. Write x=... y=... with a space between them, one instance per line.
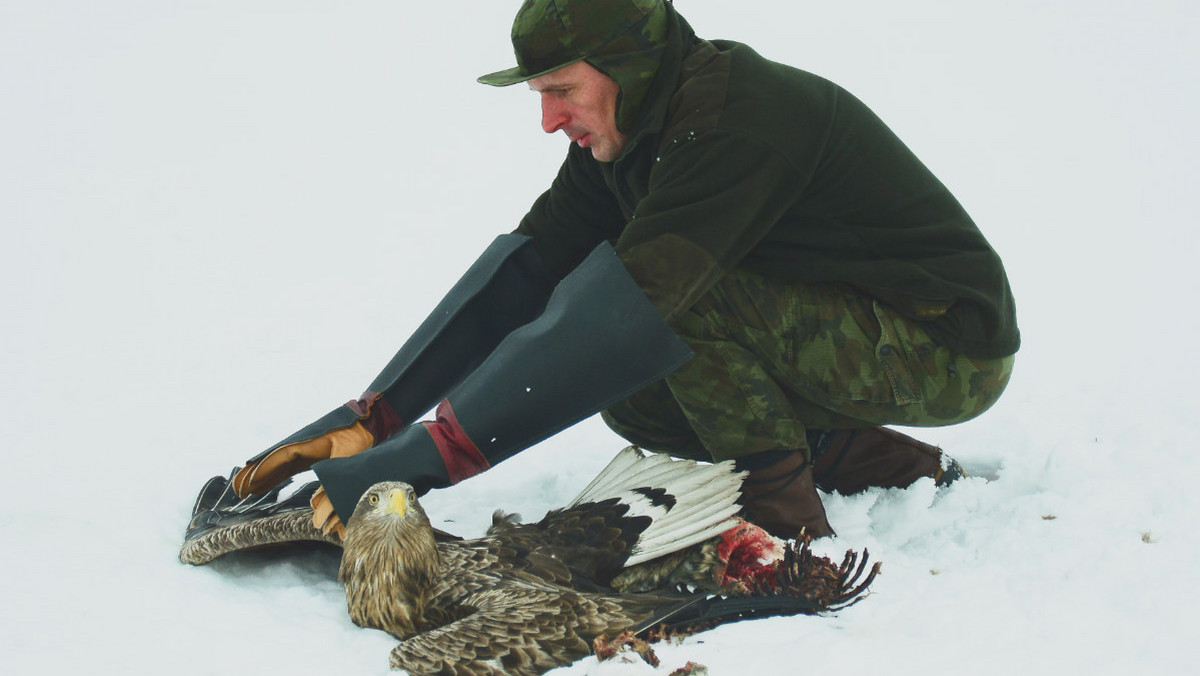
x=530 y=597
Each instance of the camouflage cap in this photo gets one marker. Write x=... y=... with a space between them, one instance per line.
x=550 y=34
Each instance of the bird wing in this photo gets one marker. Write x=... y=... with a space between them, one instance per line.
x=639 y=508
x=470 y=566
x=223 y=523
x=518 y=629
x=590 y=542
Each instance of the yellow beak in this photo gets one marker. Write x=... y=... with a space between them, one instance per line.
x=397 y=502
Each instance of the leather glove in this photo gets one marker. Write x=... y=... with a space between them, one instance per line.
x=286 y=461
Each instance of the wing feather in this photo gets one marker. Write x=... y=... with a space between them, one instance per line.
x=518 y=630
x=705 y=499
x=222 y=523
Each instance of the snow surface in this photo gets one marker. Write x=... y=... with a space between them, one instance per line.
x=221 y=219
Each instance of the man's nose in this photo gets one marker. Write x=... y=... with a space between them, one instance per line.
x=554 y=114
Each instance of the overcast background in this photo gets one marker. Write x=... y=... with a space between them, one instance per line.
x=220 y=219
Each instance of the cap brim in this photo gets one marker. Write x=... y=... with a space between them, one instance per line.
x=515 y=75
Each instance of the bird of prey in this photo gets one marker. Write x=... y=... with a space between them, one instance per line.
x=529 y=597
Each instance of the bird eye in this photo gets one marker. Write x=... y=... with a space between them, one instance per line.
x=373 y=499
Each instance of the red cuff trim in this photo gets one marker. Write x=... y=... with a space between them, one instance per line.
x=461 y=456
x=376 y=415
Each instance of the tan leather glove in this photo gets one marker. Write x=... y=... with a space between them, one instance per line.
x=291 y=459
x=324 y=518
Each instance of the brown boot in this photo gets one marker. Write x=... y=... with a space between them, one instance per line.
x=850 y=461
x=779 y=496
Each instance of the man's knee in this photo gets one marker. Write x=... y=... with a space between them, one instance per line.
x=652 y=419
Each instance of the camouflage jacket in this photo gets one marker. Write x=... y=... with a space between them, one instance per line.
x=737 y=161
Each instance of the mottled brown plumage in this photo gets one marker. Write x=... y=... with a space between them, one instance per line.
x=528 y=597
x=275 y=529
x=390 y=562
x=505 y=604
x=223 y=523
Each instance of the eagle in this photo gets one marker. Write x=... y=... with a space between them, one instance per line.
x=651 y=546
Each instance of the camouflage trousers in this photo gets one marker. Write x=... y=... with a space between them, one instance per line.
x=774 y=359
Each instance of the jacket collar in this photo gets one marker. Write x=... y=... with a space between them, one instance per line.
x=654 y=111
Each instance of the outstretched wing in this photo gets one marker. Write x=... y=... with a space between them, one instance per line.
x=521 y=630
x=223 y=523
x=637 y=509
x=592 y=541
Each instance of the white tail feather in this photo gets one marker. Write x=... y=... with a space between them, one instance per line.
x=705 y=499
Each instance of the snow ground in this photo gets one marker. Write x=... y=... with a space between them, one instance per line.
x=221 y=219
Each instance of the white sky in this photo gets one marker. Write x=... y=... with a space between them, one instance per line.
x=220 y=219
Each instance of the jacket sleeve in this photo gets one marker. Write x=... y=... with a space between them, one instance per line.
x=570 y=219
x=712 y=197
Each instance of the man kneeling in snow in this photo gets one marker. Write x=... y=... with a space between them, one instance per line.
x=737 y=259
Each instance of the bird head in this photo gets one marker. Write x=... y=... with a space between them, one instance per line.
x=389 y=559
x=393 y=501
x=388 y=512
x=390 y=523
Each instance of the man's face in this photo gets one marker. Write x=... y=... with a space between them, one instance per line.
x=582 y=102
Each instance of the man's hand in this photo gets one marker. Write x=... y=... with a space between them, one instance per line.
x=286 y=461
x=324 y=518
